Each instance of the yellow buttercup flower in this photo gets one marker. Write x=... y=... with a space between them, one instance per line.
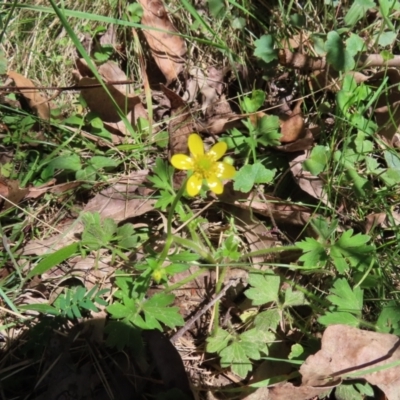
x=204 y=165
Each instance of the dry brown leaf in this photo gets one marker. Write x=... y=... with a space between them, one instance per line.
x=36 y=101
x=289 y=391
x=168 y=49
x=99 y=101
x=313 y=185
x=10 y=193
x=218 y=124
x=49 y=187
x=292 y=124
x=346 y=350
x=382 y=220
x=279 y=210
x=119 y=201
x=179 y=128
x=387 y=110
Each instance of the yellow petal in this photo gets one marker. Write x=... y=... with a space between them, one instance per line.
x=225 y=170
x=196 y=145
x=193 y=185
x=215 y=184
x=218 y=150
x=182 y=161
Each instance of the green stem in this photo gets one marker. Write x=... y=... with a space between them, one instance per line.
x=169 y=239
x=270 y=250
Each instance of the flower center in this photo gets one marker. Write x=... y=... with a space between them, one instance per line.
x=204 y=165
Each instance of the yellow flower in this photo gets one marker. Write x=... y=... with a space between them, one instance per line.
x=204 y=166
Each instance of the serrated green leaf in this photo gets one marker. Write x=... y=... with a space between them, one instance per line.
x=268 y=130
x=365 y=388
x=123 y=333
x=118 y=310
x=265 y=288
x=345 y=298
x=235 y=357
x=336 y=53
x=267 y=320
x=255 y=341
x=155 y=308
x=218 y=341
x=294 y=298
x=249 y=175
x=315 y=254
x=264 y=48
x=176 y=268
x=347 y=392
x=338 y=317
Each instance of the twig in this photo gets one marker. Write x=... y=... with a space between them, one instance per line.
x=201 y=312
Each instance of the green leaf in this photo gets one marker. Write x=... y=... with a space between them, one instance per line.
x=355 y=44
x=298 y=20
x=386 y=38
x=99 y=162
x=265 y=288
x=184 y=256
x=249 y=175
x=70 y=162
x=54 y=259
x=267 y=320
x=337 y=55
x=357 y=11
x=103 y=53
x=267 y=130
x=317 y=161
x=339 y=317
x=218 y=341
x=294 y=298
x=345 y=298
x=42 y=308
x=389 y=318
x=314 y=253
x=386 y=7
x=253 y=103
x=264 y=48
x=235 y=357
x=155 y=309
x=123 y=333
x=216 y=7
x=392 y=159
x=176 y=268
x=353 y=249
x=163 y=173
x=347 y=392
x=118 y=310
x=296 y=351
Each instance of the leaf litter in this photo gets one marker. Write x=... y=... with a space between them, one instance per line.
x=345 y=350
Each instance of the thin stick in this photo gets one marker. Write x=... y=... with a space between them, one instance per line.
x=201 y=312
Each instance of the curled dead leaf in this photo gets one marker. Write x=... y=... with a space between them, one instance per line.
x=36 y=101
x=346 y=350
x=168 y=49
x=10 y=193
